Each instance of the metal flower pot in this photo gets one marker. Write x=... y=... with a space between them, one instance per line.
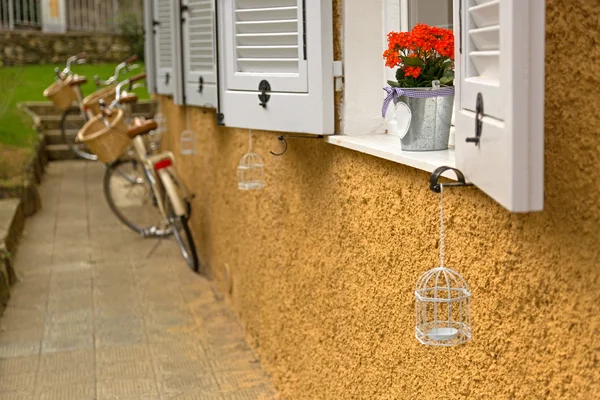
x=430 y=120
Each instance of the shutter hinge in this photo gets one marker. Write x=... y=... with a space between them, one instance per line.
x=338 y=69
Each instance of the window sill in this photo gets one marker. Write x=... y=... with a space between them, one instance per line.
x=388 y=147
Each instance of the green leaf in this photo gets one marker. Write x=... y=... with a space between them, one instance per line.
x=444 y=80
x=393 y=84
x=449 y=74
x=412 y=61
x=399 y=74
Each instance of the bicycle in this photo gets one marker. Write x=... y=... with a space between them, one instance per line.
x=144 y=190
x=81 y=110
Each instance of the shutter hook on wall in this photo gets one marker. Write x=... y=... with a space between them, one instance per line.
x=434 y=184
x=264 y=86
x=200 y=84
x=167 y=78
x=478 y=121
x=285 y=145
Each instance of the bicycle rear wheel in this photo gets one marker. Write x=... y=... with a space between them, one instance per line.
x=67 y=125
x=129 y=195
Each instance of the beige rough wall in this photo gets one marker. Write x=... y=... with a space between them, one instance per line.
x=324 y=260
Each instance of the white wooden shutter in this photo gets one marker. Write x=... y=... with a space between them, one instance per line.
x=500 y=54
x=164 y=40
x=287 y=43
x=149 y=46
x=199 y=49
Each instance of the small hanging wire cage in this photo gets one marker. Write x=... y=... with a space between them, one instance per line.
x=250 y=171
x=443 y=300
x=187 y=139
x=155 y=137
x=187 y=145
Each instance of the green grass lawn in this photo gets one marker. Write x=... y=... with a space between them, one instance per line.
x=15 y=126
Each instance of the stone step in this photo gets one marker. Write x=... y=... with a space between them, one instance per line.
x=12 y=222
x=60 y=152
x=55 y=136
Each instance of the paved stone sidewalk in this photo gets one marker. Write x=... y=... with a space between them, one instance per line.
x=93 y=318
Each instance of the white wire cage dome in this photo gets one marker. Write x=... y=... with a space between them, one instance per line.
x=443 y=314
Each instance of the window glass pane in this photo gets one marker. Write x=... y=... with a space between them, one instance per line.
x=430 y=12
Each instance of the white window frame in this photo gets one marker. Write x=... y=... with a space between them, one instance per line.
x=362 y=127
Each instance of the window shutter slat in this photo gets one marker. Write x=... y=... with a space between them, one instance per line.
x=288 y=44
x=199 y=49
x=165 y=46
x=502 y=59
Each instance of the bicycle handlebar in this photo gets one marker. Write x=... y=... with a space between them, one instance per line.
x=138 y=77
x=125 y=64
x=78 y=59
x=120 y=86
x=131 y=59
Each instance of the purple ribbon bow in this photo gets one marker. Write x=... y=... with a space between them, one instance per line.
x=394 y=93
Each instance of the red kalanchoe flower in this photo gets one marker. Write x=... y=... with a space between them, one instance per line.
x=422 y=54
x=413 y=72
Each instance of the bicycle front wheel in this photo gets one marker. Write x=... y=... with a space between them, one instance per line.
x=183 y=237
x=129 y=195
x=68 y=125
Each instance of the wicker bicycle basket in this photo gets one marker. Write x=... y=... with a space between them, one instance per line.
x=107 y=94
x=61 y=93
x=107 y=142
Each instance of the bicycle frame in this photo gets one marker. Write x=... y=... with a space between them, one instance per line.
x=159 y=169
x=163 y=165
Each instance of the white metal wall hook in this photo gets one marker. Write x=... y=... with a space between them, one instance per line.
x=442 y=301
x=251 y=174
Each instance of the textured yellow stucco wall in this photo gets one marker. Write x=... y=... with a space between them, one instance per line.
x=324 y=260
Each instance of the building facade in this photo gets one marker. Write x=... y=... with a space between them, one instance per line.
x=320 y=265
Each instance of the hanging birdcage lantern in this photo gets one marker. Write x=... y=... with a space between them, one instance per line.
x=442 y=308
x=187 y=143
x=187 y=139
x=251 y=173
x=443 y=300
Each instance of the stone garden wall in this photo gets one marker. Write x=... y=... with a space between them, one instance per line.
x=34 y=47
